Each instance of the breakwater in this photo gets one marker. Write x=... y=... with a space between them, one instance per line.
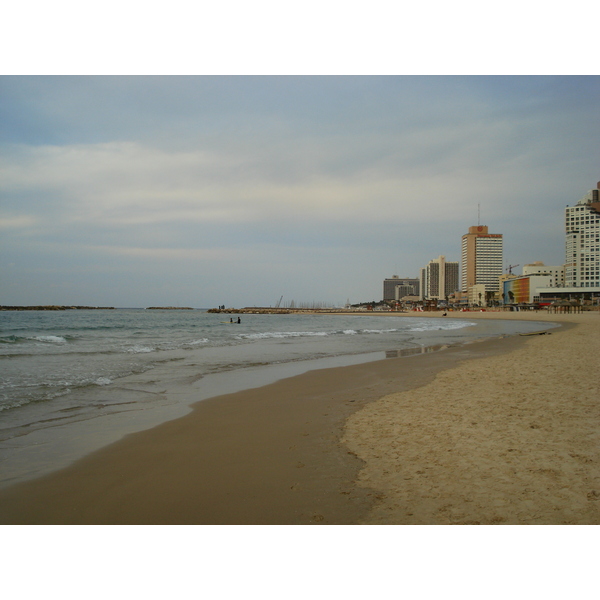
x=262 y=310
x=54 y=307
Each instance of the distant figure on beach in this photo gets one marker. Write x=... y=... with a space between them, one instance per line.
x=239 y=320
x=444 y=314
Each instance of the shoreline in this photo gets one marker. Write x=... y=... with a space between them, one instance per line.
x=141 y=401
x=268 y=455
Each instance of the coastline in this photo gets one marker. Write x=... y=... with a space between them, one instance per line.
x=269 y=455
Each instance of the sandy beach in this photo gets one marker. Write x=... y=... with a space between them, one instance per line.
x=502 y=431
x=511 y=439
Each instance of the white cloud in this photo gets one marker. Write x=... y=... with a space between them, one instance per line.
x=119 y=184
x=353 y=178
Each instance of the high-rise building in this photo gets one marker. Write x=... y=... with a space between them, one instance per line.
x=402 y=291
x=481 y=259
x=439 y=279
x=389 y=287
x=582 y=248
x=557 y=273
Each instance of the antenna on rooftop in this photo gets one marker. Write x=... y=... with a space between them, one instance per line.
x=478 y=214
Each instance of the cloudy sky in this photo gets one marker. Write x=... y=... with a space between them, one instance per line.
x=236 y=190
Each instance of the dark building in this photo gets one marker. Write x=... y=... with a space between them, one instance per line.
x=408 y=284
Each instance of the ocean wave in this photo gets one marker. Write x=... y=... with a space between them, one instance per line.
x=139 y=349
x=32 y=397
x=297 y=334
x=50 y=339
x=280 y=335
x=441 y=326
x=8 y=405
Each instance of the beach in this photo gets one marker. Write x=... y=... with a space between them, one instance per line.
x=511 y=439
x=503 y=431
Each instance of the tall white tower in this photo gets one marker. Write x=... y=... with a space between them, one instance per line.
x=582 y=245
x=439 y=279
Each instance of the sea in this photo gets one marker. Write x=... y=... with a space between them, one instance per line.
x=74 y=381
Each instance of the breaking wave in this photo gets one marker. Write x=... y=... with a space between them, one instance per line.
x=139 y=349
x=50 y=339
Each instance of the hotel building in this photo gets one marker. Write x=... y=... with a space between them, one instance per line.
x=481 y=259
x=396 y=288
x=582 y=226
x=556 y=273
x=439 y=279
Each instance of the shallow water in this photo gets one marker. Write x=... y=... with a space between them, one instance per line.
x=73 y=381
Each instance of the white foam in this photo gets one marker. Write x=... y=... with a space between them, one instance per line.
x=103 y=381
x=52 y=339
x=442 y=326
x=139 y=349
x=279 y=335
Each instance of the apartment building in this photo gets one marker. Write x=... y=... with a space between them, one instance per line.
x=409 y=287
x=439 y=279
x=556 y=273
x=582 y=245
x=481 y=259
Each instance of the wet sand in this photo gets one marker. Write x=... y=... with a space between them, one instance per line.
x=275 y=455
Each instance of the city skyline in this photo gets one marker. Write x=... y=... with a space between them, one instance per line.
x=203 y=191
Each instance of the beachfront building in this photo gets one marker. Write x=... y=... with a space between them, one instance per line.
x=476 y=295
x=525 y=289
x=499 y=297
x=411 y=287
x=481 y=259
x=404 y=291
x=556 y=273
x=577 y=295
x=439 y=279
x=582 y=247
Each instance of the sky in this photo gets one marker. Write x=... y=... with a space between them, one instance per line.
x=209 y=190
x=237 y=185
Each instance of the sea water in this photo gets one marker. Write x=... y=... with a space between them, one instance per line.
x=72 y=381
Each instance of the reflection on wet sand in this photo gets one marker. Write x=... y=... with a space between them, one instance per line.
x=413 y=351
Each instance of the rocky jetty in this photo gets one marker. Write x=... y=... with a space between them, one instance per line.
x=261 y=310
x=54 y=307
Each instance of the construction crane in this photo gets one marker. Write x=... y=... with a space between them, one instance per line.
x=511 y=267
x=279 y=303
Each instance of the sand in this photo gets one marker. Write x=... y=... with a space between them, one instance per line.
x=501 y=431
x=511 y=439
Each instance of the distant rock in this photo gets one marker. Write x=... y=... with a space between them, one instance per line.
x=53 y=307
